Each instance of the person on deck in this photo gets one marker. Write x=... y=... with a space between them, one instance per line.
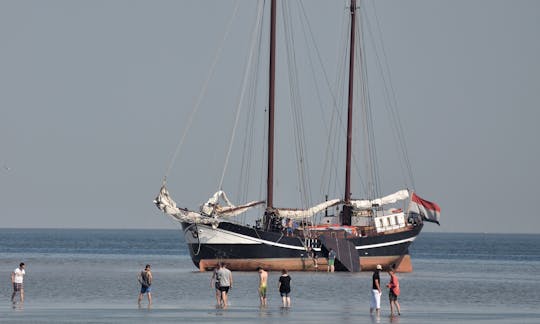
x=289 y=227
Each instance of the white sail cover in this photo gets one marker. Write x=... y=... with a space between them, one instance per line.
x=212 y=207
x=167 y=205
x=390 y=199
x=305 y=213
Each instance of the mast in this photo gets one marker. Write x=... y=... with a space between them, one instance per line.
x=347 y=209
x=271 y=95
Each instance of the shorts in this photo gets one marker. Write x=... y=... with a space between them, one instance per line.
x=285 y=293
x=17 y=286
x=146 y=289
x=331 y=262
x=224 y=288
x=375 y=299
x=392 y=296
x=262 y=291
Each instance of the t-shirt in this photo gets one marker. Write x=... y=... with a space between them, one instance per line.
x=376 y=276
x=285 y=286
x=394 y=285
x=19 y=274
x=332 y=255
x=223 y=275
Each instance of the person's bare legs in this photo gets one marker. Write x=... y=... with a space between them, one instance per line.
x=218 y=298
x=22 y=295
x=284 y=301
x=224 y=299
x=391 y=308
x=149 y=298
x=398 y=307
x=288 y=301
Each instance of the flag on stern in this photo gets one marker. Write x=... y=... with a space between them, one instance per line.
x=429 y=211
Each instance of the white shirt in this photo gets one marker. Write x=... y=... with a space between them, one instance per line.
x=19 y=274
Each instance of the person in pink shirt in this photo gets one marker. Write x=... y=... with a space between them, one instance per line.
x=394 y=292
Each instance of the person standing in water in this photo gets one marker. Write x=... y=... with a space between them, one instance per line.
x=225 y=283
x=214 y=283
x=17 y=278
x=376 y=291
x=331 y=260
x=284 y=285
x=145 y=279
x=263 y=278
x=394 y=292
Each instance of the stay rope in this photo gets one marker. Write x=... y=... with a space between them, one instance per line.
x=203 y=91
x=244 y=87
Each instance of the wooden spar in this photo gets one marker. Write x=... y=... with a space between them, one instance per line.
x=346 y=216
x=271 y=97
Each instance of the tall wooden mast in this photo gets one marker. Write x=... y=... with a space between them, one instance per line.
x=347 y=209
x=271 y=97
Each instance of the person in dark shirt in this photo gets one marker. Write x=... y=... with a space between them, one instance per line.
x=376 y=291
x=285 y=288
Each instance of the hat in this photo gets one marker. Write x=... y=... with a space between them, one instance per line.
x=379 y=267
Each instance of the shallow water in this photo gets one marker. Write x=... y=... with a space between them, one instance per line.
x=90 y=276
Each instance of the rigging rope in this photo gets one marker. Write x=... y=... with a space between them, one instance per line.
x=296 y=108
x=332 y=147
x=244 y=86
x=203 y=91
x=392 y=103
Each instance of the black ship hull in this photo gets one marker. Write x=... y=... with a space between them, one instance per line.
x=244 y=248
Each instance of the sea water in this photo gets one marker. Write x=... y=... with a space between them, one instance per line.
x=91 y=276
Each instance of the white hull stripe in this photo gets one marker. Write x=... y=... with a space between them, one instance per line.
x=286 y=246
x=371 y=246
x=249 y=238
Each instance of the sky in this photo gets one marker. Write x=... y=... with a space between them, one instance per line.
x=95 y=96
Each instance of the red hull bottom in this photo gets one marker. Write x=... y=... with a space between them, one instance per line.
x=402 y=263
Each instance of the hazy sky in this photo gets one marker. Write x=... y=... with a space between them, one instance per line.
x=94 y=96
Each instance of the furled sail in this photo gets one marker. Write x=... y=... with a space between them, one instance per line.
x=305 y=213
x=212 y=207
x=390 y=199
x=166 y=204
